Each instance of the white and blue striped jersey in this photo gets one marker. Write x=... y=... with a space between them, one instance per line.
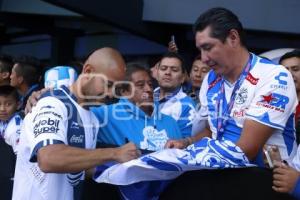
x=267 y=95
x=56 y=119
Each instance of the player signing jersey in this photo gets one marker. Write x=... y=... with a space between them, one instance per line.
x=266 y=95
x=55 y=119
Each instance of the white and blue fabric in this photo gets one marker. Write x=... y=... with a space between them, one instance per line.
x=168 y=164
x=179 y=106
x=267 y=95
x=10 y=131
x=126 y=121
x=56 y=119
x=60 y=75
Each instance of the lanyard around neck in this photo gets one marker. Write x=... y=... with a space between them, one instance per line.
x=223 y=115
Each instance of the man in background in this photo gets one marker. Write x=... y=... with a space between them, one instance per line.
x=169 y=96
x=291 y=61
x=6 y=64
x=25 y=76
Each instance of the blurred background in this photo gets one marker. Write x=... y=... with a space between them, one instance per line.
x=64 y=31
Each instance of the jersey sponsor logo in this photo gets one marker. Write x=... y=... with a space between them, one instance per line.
x=46 y=126
x=74 y=125
x=252 y=79
x=280 y=78
x=283 y=87
x=238 y=113
x=274 y=101
x=282 y=83
x=153 y=139
x=212 y=84
x=76 y=139
x=241 y=96
x=47 y=113
x=46 y=107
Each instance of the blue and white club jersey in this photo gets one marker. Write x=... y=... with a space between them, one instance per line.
x=179 y=106
x=295 y=163
x=10 y=131
x=60 y=75
x=267 y=95
x=124 y=120
x=55 y=119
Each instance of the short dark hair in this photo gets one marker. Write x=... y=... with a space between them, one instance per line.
x=29 y=68
x=7 y=90
x=221 y=21
x=291 y=54
x=131 y=69
x=170 y=54
x=198 y=57
x=6 y=63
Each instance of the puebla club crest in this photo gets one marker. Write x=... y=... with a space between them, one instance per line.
x=241 y=96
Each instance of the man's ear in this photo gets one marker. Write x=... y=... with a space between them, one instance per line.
x=5 y=75
x=87 y=69
x=20 y=79
x=233 y=38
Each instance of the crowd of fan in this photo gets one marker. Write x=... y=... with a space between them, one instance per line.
x=135 y=116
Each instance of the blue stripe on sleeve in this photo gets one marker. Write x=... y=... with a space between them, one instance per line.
x=43 y=143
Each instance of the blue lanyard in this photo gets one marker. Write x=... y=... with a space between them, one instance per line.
x=223 y=116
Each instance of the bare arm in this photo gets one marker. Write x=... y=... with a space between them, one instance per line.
x=205 y=133
x=253 y=137
x=60 y=158
x=183 y=143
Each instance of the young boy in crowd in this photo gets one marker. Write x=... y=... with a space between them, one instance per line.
x=10 y=119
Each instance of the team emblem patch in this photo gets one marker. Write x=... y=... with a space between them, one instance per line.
x=241 y=96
